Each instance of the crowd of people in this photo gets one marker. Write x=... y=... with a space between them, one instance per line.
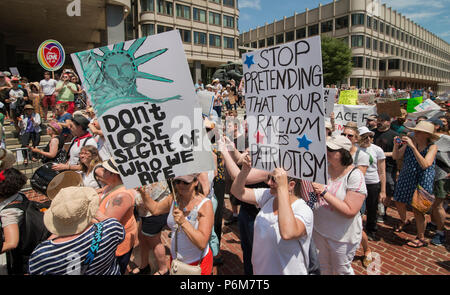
x=93 y=229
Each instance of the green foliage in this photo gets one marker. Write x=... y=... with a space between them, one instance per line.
x=336 y=60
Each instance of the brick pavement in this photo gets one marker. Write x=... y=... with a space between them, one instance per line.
x=396 y=257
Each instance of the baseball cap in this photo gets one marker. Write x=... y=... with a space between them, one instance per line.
x=339 y=142
x=187 y=178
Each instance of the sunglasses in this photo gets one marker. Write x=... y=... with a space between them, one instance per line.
x=179 y=181
x=347 y=135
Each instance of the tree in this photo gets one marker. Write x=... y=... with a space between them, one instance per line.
x=336 y=60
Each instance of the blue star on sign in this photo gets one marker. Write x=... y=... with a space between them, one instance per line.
x=304 y=142
x=249 y=61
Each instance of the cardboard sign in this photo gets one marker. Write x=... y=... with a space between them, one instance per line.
x=392 y=108
x=285 y=109
x=348 y=97
x=143 y=94
x=205 y=100
x=348 y=113
x=329 y=97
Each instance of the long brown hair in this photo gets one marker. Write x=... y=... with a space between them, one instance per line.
x=95 y=158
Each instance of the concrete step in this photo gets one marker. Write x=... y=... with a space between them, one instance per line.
x=15 y=141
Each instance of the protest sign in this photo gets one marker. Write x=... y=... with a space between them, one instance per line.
x=392 y=108
x=348 y=113
x=427 y=105
x=143 y=94
x=329 y=96
x=416 y=93
x=14 y=71
x=205 y=100
x=412 y=103
x=366 y=98
x=285 y=109
x=51 y=55
x=430 y=114
x=348 y=97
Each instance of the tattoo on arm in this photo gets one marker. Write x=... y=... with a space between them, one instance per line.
x=117 y=201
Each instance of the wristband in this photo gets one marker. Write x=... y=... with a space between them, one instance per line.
x=323 y=193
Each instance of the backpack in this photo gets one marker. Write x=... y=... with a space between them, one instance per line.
x=32 y=229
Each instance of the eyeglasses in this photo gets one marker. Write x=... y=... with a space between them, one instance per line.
x=179 y=181
x=347 y=135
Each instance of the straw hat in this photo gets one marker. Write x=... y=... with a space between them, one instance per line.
x=71 y=211
x=111 y=166
x=63 y=180
x=28 y=107
x=7 y=159
x=426 y=127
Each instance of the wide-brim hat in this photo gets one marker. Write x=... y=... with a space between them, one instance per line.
x=364 y=130
x=28 y=107
x=111 y=166
x=71 y=211
x=426 y=127
x=63 y=180
x=339 y=142
x=7 y=159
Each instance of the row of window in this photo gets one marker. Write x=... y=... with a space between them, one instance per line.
x=183 y=11
x=200 y=38
x=397 y=64
x=378 y=45
x=149 y=5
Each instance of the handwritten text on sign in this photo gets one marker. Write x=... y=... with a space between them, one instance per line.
x=285 y=109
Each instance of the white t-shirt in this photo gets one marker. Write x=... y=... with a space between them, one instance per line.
x=15 y=94
x=362 y=160
x=332 y=224
x=74 y=151
x=48 y=86
x=89 y=180
x=271 y=255
x=375 y=154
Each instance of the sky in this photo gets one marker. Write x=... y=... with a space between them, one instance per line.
x=433 y=15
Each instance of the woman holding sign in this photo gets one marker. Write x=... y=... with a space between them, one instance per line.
x=191 y=219
x=283 y=226
x=337 y=225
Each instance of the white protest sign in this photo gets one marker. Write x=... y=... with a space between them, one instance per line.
x=205 y=100
x=14 y=71
x=351 y=113
x=143 y=94
x=329 y=97
x=285 y=109
x=427 y=105
x=430 y=114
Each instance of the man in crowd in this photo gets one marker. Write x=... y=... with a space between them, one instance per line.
x=64 y=119
x=48 y=87
x=372 y=122
x=384 y=138
x=398 y=126
x=66 y=92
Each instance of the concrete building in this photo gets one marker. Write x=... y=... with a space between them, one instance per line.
x=208 y=28
x=387 y=47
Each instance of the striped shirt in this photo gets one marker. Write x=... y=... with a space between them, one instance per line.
x=65 y=258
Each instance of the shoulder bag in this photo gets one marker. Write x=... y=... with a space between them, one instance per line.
x=178 y=267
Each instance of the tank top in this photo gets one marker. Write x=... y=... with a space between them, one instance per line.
x=128 y=221
x=187 y=251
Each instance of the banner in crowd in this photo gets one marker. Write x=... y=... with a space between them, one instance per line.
x=349 y=113
x=285 y=109
x=329 y=97
x=412 y=103
x=348 y=97
x=144 y=97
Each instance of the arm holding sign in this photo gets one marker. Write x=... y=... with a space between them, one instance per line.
x=238 y=188
x=156 y=208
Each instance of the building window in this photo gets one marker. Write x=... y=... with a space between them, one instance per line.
x=290 y=36
x=375 y=25
x=367 y=63
x=369 y=22
x=162 y=29
x=199 y=38
x=341 y=23
x=394 y=64
x=254 y=44
x=300 y=33
x=280 y=38
x=313 y=30
x=357 y=19
x=214 y=18
x=199 y=15
x=228 y=21
x=374 y=64
x=183 y=11
x=147 y=5
x=262 y=43
x=388 y=29
x=396 y=51
x=228 y=42
x=344 y=40
x=215 y=1
x=368 y=43
x=358 y=61
x=165 y=7
x=393 y=30
x=357 y=40
x=229 y=3
x=382 y=65
x=381 y=46
x=327 y=26
x=398 y=34
x=185 y=35
x=148 y=29
x=270 y=41
x=356 y=82
x=375 y=45
x=382 y=27
x=214 y=40
x=129 y=25
x=392 y=50
x=387 y=48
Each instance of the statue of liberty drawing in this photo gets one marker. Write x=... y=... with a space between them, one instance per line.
x=113 y=82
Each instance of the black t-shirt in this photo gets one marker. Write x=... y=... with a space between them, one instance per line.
x=385 y=140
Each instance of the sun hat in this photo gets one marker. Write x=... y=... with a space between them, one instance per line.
x=55 y=126
x=63 y=180
x=351 y=125
x=339 y=142
x=71 y=211
x=28 y=107
x=427 y=127
x=187 y=178
x=364 y=130
x=111 y=166
x=7 y=159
